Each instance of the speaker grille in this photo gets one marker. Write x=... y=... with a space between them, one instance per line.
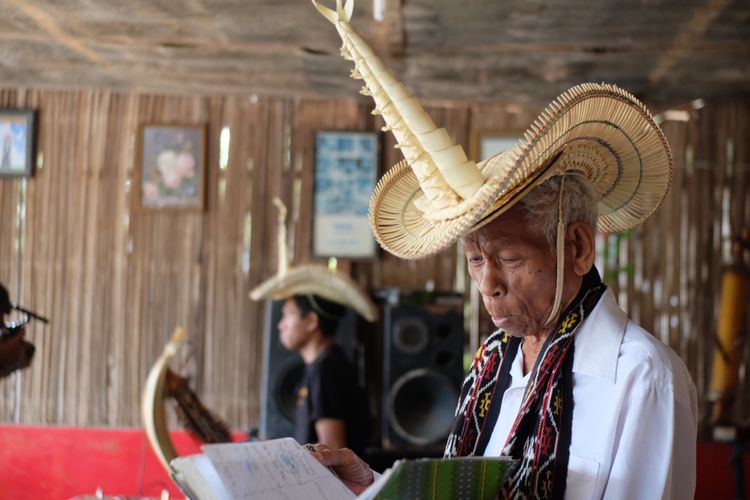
x=410 y=335
x=422 y=372
x=287 y=387
x=422 y=404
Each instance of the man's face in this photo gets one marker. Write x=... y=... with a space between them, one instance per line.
x=294 y=328
x=514 y=269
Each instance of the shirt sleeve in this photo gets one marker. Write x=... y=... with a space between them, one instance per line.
x=655 y=450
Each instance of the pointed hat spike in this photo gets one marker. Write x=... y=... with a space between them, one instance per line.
x=444 y=172
x=334 y=16
x=281 y=237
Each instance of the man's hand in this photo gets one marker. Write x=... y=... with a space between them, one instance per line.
x=352 y=470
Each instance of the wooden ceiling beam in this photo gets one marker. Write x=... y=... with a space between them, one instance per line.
x=690 y=34
x=48 y=25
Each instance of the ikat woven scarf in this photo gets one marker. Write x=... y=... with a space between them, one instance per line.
x=540 y=435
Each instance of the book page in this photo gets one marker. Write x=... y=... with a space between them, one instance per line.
x=197 y=474
x=274 y=469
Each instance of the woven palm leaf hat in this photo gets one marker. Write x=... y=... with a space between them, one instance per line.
x=311 y=279
x=436 y=194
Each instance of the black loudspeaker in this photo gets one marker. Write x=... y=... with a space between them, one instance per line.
x=283 y=371
x=422 y=371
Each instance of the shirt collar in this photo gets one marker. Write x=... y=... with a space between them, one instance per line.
x=597 y=343
x=518 y=379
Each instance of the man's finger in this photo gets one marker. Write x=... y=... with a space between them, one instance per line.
x=330 y=457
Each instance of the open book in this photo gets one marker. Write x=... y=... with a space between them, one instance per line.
x=283 y=469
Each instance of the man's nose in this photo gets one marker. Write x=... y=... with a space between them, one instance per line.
x=491 y=283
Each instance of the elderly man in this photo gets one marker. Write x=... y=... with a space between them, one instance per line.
x=608 y=410
x=589 y=404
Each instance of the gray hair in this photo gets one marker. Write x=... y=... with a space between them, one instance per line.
x=579 y=204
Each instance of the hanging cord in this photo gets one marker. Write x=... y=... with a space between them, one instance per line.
x=560 y=255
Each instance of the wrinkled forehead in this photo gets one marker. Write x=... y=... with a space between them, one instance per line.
x=511 y=229
x=484 y=238
x=503 y=228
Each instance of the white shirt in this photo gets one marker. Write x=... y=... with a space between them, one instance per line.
x=634 y=412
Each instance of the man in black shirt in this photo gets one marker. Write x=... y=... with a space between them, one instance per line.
x=331 y=406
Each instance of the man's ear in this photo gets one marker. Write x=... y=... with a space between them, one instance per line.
x=312 y=321
x=580 y=237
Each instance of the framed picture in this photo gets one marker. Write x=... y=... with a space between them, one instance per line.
x=346 y=170
x=170 y=167
x=17 y=133
x=487 y=143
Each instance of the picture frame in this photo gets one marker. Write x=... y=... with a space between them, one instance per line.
x=346 y=171
x=17 y=142
x=486 y=143
x=170 y=168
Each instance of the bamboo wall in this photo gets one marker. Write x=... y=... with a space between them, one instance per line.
x=116 y=282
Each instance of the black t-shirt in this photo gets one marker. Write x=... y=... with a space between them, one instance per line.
x=330 y=390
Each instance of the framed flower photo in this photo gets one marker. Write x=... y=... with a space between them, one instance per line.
x=17 y=137
x=170 y=168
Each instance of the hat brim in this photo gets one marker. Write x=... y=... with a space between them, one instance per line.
x=318 y=280
x=597 y=131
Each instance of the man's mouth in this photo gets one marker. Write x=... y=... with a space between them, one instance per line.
x=499 y=320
